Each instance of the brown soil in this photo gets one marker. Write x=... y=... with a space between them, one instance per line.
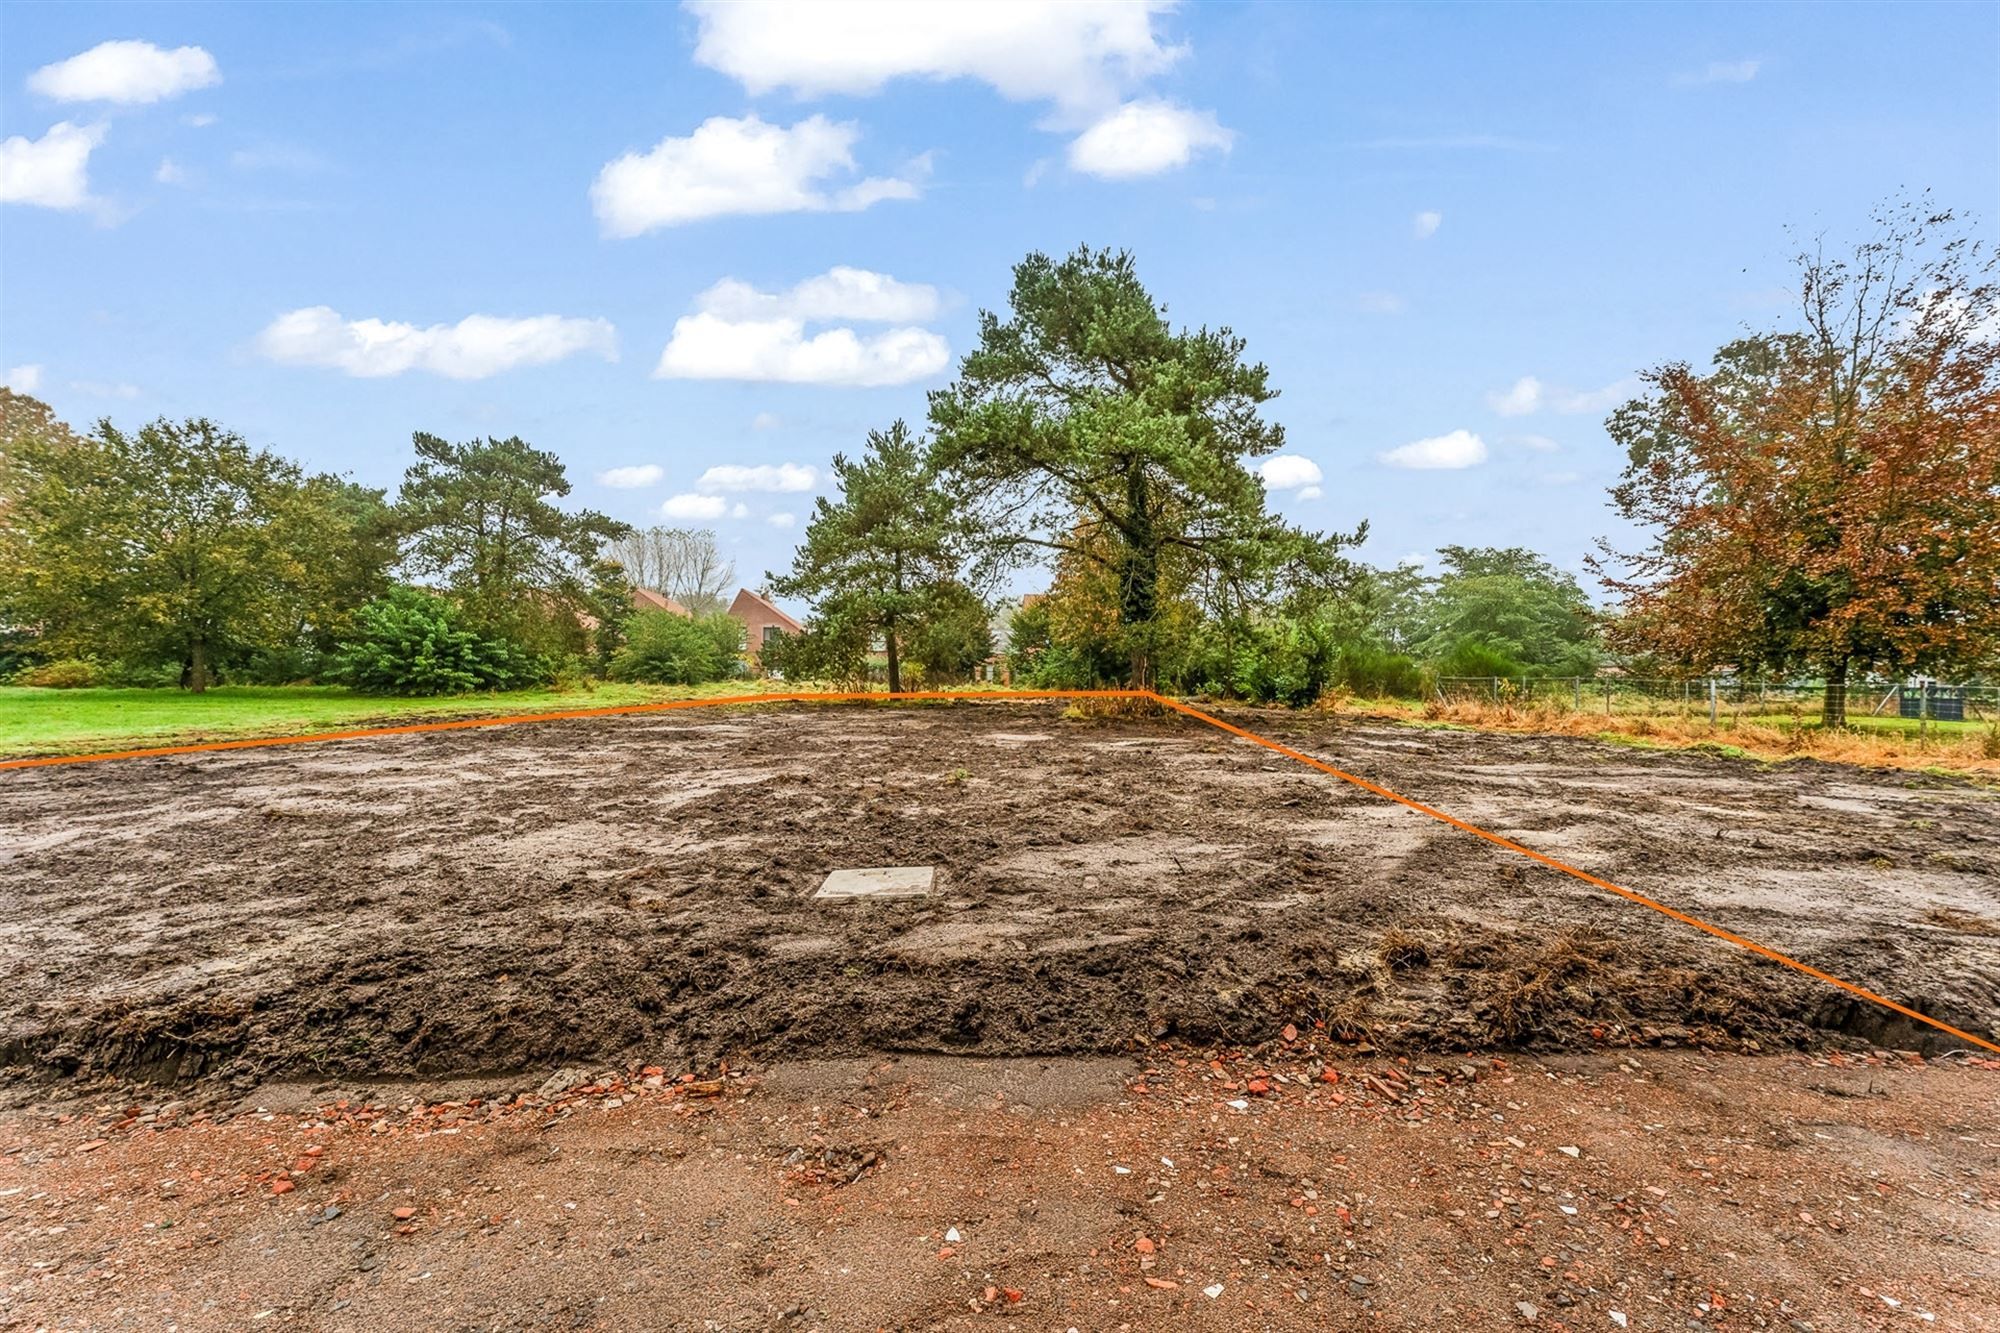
x=1654 y=1191
x=638 y=889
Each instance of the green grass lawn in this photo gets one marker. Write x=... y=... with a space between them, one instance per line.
x=38 y=722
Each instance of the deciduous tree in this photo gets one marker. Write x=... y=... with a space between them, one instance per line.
x=1827 y=496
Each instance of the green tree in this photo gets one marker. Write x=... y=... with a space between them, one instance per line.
x=885 y=556
x=669 y=649
x=177 y=542
x=482 y=521
x=1088 y=426
x=1512 y=605
x=411 y=641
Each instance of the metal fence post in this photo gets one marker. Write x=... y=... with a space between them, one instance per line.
x=1576 y=704
x=1711 y=701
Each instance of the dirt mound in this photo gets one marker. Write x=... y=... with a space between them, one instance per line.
x=641 y=888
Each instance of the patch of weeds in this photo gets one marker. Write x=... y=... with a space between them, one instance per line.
x=1401 y=951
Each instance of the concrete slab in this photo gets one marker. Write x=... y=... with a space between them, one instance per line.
x=880 y=882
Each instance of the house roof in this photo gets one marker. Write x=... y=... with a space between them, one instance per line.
x=749 y=604
x=646 y=599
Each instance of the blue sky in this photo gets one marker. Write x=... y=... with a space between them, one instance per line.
x=722 y=243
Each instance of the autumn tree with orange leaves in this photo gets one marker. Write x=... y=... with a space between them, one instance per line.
x=1826 y=498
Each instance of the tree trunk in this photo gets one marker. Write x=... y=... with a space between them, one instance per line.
x=196 y=674
x=1833 y=712
x=1139 y=582
x=895 y=662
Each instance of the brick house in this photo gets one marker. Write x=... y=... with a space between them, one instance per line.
x=645 y=599
x=760 y=621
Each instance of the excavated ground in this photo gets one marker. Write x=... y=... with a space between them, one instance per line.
x=639 y=889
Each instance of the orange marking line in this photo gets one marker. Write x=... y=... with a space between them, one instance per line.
x=831 y=696
x=515 y=719
x=1583 y=875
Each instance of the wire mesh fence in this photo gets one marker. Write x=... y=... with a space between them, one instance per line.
x=1723 y=699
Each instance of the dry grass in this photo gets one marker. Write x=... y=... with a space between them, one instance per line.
x=1971 y=752
x=1965 y=923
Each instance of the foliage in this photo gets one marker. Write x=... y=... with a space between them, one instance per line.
x=1825 y=498
x=416 y=642
x=1084 y=424
x=668 y=649
x=481 y=521
x=685 y=564
x=179 y=542
x=609 y=608
x=954 y=637
x=68 y=673
x=885 y=558
x=1495 y=607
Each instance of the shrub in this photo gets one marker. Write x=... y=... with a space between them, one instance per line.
x=69 y=673
x=417 y=643
x=667 y=649
x=1471 y=657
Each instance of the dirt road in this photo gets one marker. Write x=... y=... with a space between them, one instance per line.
x=1648 y=1190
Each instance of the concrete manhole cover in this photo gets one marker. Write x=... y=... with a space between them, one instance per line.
x=880 y=882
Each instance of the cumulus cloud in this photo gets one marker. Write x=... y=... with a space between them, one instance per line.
x=1288 y=472
x=740 y=166
x=23 y=379
x=690 y=506
x=1145 y=138
x=782 y=520
x=1459 y=449
x=52 y=171
x=1529 y=395
x=740 y=333
x=1070 y=52
x=1086 y=58
x=1426 y=224
x=126 y=72
x=474 y=348
x=838 y=293
x=631 y=478
x=170 y=172
x=781 y=478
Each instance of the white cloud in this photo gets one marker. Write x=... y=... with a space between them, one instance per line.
x=1379 y=303
x=1426 y=224
x=1285 y=472
x=739 y=510
x=52 y=171
x=631 y=478
x=730 y=166
x=705 y=347
x=695 y=506
x=740 y=333
x=838 y=293
x=170 y=172
x=782 y=520
x=474 y=348
x=127 y=72
x=201 y=120
x=23 y=379
x=1144 y=138
x=1529 y=395
x=1724 y=71
x=1460 y=449
x=766 y=421
x=1521 y=398
x=1075 y=53
x=1541 y=444
x=775 y=477
x=1309 y=493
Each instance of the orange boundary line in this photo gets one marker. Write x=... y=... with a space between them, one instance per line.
x=1584 y=875
x=815 y=696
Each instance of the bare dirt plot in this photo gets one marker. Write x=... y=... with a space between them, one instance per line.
x=639 y=888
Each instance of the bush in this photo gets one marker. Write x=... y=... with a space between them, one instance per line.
x=830 y=650
x=666 y=649
x=69 y=673
x=415 y=642
x=1471 y=657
